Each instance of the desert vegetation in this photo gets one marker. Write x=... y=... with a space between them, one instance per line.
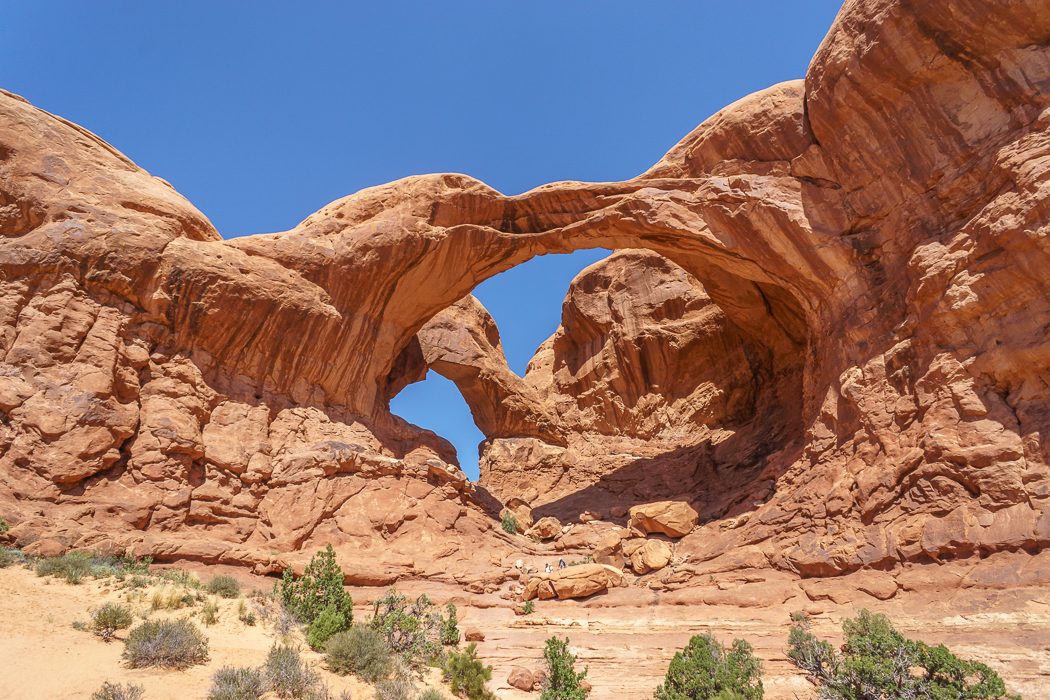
x=706 y=670
x=564 y=682
x=877 y=662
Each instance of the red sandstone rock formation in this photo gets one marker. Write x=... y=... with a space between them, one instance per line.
x=836 y=348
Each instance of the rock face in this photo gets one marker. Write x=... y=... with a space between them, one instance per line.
x=826 y=332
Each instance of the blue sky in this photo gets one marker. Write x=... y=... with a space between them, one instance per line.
x=262 y=112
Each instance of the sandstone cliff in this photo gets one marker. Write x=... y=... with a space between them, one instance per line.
x=835 y=347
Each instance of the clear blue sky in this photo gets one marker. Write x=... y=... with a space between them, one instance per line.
x=262 y=112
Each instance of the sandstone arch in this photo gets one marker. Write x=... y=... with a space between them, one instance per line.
x=880 y=227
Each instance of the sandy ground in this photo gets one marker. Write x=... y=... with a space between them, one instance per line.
x=47 y=659
x=625 y=637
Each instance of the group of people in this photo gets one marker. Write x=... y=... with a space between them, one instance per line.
x=550 y=569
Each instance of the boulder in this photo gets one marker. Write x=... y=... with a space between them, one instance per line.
x=546 y=528
x=647 y=555
x=522 y=679
x=473 y=634
x=671 y=518
x=572 y=582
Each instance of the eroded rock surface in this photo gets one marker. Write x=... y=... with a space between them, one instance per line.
x=834 y=347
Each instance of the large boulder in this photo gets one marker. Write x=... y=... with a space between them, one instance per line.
x=671 y=518
x=522 y=679
x=572 y=582
x=546 y=528
x=647 y=555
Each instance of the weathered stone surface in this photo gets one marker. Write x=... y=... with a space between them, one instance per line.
x=832 y=343
x=671 y=518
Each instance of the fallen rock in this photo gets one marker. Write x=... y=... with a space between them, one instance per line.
x=572 y=582
x=473 y=634
x=647 y=555
x=546 y=528
x=671 y=518
x=522 y=679
x=609 y=549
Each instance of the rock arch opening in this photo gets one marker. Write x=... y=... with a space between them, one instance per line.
x=648 y=389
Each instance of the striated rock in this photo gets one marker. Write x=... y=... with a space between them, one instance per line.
x=671 y=518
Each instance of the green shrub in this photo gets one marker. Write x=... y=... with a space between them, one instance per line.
x=320 y=585
x=289 y=676
x=879 y=662
x=359 y=650
x=165 y=643
x=4 y=527
x=109 y=618
x=529 y=607
x=563 y=681
x=467 y=675
x=509 y=523
x=413 y=631
x=450 y=626
x=117 y=691
x=705 y=670
x=224 y=587
x=231 y=683
x=328 y=623
x=431 y=694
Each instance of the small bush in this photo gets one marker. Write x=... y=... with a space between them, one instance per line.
x=117 y=691
x=288 y=675
x=179 y=577
x=244 y=614
x=4 y=527
x=9 y=556
x=359 y=650
x=224 y=587
x=412 y=630
x=329 y=622
x=467 y=675
x=877 y=661
x=320 y=585
x=72 y=567
x=396 y=689
x=705 y=670
x=563 y=681
x=109 y=618
x=431 y=694
x=509 y=523
x=529 y=607
x=231 y=683
x=165 y=643
x=450 y=626
x=171 y=599
x=210 y=613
